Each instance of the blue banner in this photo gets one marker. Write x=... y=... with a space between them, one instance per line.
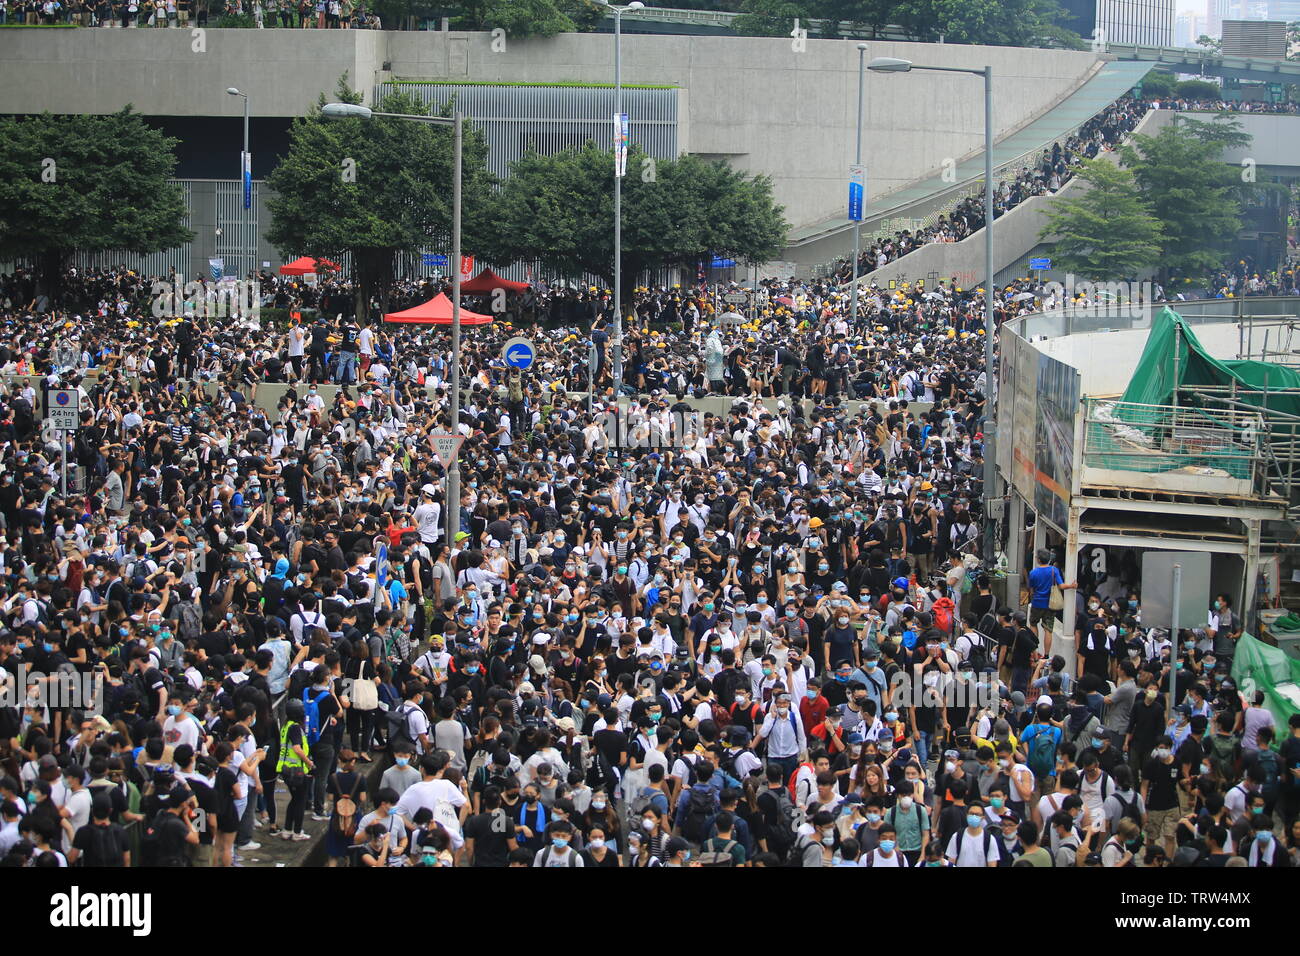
x=1043 y=263
x=720 y=263
x=429 y=259
x=857 y=192
x=248 y=180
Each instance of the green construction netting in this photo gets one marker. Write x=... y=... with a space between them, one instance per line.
x=1259 y=666
x=1153 y=379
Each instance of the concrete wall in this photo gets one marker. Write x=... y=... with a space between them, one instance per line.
x=751 y=100
x=1107 y=360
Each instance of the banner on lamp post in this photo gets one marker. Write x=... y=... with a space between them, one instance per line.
x=466 y=268
x=620 y=144
x=247 y=160
x=857 y=192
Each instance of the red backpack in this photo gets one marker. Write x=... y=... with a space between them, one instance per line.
x=721 y=716
x=943 y=611
x=794 y=793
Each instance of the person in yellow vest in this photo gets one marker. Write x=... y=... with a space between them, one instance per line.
x=294 y=765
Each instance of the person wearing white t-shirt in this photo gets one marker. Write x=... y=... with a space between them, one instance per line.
x=442 y=798
x=78 y=799
x=973 y=846
x=180 y=727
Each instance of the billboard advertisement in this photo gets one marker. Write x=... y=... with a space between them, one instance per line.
x=1038 y=399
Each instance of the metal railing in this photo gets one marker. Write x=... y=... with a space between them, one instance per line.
x=1221 y=442
x=951 y=198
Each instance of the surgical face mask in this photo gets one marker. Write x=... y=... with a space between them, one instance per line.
x=598 y=804
x=649 y=823
x=996 y=802
x=403 y=761
x=949 y=766
x=596 y=843
x=974 y=819
x=887 y=846
x=905 y=803
x=559 y=842
x=843 y=622
x=1162 y=753
x=173 y=709
x=891 y=716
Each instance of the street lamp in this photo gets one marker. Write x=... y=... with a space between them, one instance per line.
x=889 y=64
x=617 y=342
x=456 y=122
x=246 y=180
x=857 y=223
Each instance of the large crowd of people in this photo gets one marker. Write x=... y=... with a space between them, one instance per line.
x=182 y=14
x=1054 y=168
x=761 y=638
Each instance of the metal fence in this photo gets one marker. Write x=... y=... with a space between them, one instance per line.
x=1127 y=436
x=550 y=119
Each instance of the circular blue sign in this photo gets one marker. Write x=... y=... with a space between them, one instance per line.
x=519 y=352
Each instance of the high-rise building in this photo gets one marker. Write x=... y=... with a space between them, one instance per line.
x=1188 y=28
x=1144 y=22
x=1287 y=11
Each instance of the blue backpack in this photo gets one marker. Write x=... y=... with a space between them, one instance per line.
x=312 y=707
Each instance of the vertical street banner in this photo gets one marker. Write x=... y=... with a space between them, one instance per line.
x=217 y=267
x=620 y=144
x=857 y=192
x=466 y=268
x=247 y=160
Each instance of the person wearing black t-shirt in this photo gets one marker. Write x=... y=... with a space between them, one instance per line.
x=490 y=836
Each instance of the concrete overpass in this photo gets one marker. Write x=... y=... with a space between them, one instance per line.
x=1275 y=150
x=1208 y=63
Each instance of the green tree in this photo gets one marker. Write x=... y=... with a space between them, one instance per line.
x=770 y=18
x=1107 y=233
x=1198 y=90
x=992 y=23
x=559 y=209
x=86 y=183
x=1209 y=43
x=374 y=189
x=1158 y=85
x=1194 y=195
x=521 y=18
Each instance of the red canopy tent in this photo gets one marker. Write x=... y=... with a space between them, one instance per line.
x=487 y=281
x=306 y=264
x=437 y=311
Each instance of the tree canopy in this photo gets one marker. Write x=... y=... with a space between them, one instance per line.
x=1109 y=231
x=1194 y=195
x=559 y=210
x=86 y=183
x=374 y=189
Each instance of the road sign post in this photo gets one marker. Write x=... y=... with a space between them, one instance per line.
x=63 y=414
x=519 y=352
x=446 y=446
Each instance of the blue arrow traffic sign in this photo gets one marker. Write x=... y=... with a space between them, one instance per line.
x=519 y=352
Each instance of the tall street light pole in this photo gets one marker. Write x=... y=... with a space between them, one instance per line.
x=246 y=184
x=893 y=65
x=616 y=342
x=857 y=161
x=457 y=122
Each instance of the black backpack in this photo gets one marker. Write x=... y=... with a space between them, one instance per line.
x=151 y=843
x=1129 y=811
x=979 y=656
x=701 y=808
